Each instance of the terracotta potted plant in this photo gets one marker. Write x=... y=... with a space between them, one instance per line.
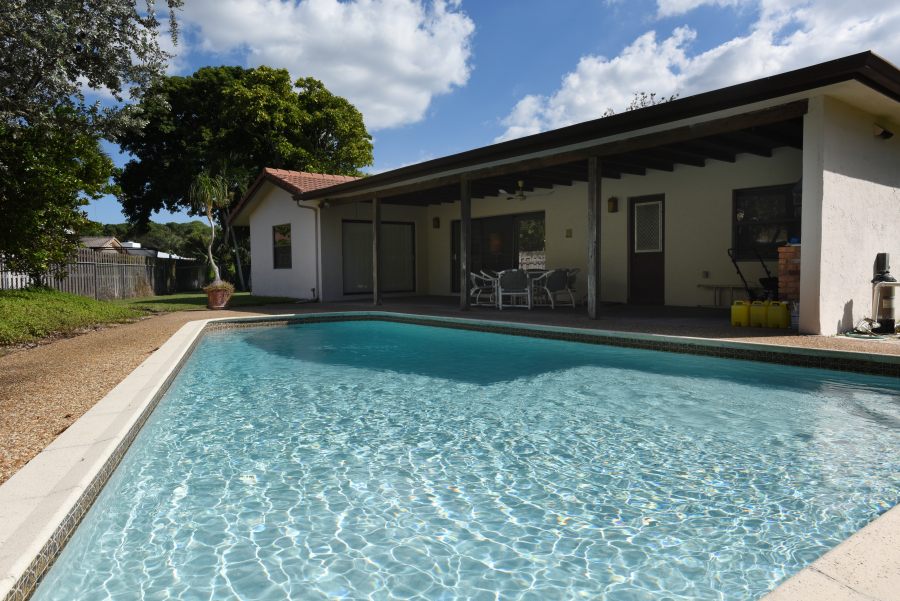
x=210 y=192
x=218 y=294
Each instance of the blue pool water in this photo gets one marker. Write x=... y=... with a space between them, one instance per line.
x=372 y=460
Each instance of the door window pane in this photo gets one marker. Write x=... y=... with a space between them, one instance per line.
x=530 y=233
x=648 y=227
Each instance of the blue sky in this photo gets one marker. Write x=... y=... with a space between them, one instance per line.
x=436 y=77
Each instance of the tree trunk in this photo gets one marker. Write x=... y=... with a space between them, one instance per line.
x=212 y=237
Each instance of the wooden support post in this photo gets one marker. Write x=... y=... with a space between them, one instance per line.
x=594 y=212
x=465 y=240
x=376 y=252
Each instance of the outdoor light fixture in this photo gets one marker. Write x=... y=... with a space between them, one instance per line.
x=880 y=131
x=612 y=204
x=436 y=223
x=324 y=204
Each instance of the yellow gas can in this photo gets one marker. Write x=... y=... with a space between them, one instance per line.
x=740 y=313
x=778 y=315
x=758 y=311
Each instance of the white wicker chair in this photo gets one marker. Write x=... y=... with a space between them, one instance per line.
x=484 y=290
x=546 y=287
x=513 y=285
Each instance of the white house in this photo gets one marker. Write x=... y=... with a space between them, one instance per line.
x=645 y=203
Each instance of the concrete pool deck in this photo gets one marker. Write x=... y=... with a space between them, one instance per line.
x=36 y=505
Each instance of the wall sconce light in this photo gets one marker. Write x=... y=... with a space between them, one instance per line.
x=436 y=223
x=324 y=204
x=612 y=204
x=880 y=131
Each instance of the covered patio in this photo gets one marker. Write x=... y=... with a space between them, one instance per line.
x=587 y=172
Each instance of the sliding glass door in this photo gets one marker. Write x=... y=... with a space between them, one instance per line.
x=398 y=257
x=501 y=242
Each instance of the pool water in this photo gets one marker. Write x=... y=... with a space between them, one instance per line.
x=375 y=460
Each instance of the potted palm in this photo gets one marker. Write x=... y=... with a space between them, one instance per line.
x=207 y=193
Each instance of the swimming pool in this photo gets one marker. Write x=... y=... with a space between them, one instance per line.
x=373 y=459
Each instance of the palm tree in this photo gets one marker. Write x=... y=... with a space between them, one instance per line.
x=209 y=192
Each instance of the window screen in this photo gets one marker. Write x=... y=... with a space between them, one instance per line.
x=648 y=227
x=281 y=246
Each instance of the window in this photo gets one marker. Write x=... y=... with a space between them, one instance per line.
x=764 y=219
x=281 y=246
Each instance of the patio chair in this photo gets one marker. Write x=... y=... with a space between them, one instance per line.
x=484 y=290
x=546 y=287
x=512 y=286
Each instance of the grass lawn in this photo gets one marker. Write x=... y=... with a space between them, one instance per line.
x=29 y=315
x=194 y=301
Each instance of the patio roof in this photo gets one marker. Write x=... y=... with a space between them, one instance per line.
x=558 y=157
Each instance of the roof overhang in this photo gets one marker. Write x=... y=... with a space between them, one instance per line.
x=689 y=118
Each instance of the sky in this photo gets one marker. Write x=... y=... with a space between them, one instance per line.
x=436 y=77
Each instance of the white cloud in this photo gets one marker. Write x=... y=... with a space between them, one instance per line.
x=787 y=34
x=671 y=8
x=388 y=57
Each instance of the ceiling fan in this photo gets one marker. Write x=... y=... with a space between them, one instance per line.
x=519 y=193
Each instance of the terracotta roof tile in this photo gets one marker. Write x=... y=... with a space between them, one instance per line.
x=301 y=181
x=296 y=182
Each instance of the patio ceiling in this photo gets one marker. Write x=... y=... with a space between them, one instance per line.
x=760 y=140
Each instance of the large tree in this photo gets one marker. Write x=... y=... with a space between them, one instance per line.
x=235 y=121
x=50 y=159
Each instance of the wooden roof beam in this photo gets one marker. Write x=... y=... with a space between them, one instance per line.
x=749 y=143
x=710 y=149
x=624 y=167
x=645 y=159
x=676 y=155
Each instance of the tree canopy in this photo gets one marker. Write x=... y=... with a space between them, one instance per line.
x=50 y=159
x=51 y=49
x=235 y=120
x=46 y=176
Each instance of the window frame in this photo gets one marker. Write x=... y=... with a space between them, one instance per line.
x=275 y=248
x=792 y=222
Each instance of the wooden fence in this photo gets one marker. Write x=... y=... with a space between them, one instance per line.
x=109 y=275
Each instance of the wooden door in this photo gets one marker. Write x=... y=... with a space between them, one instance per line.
x=646 y=250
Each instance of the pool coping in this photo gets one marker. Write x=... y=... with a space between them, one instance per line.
x=42 y=504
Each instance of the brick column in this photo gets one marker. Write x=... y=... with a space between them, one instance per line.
x=789 y=273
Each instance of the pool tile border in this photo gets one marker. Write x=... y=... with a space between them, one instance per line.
x=69 y=498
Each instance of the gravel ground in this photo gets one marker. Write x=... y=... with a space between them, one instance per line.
x=46 y=388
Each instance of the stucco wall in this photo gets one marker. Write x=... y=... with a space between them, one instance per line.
x=276 y=208
x=697 y=222
x=851 y=206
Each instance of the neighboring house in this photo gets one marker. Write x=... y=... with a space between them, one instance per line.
x=136 y=249
x=645 y=203
x=104 y=244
